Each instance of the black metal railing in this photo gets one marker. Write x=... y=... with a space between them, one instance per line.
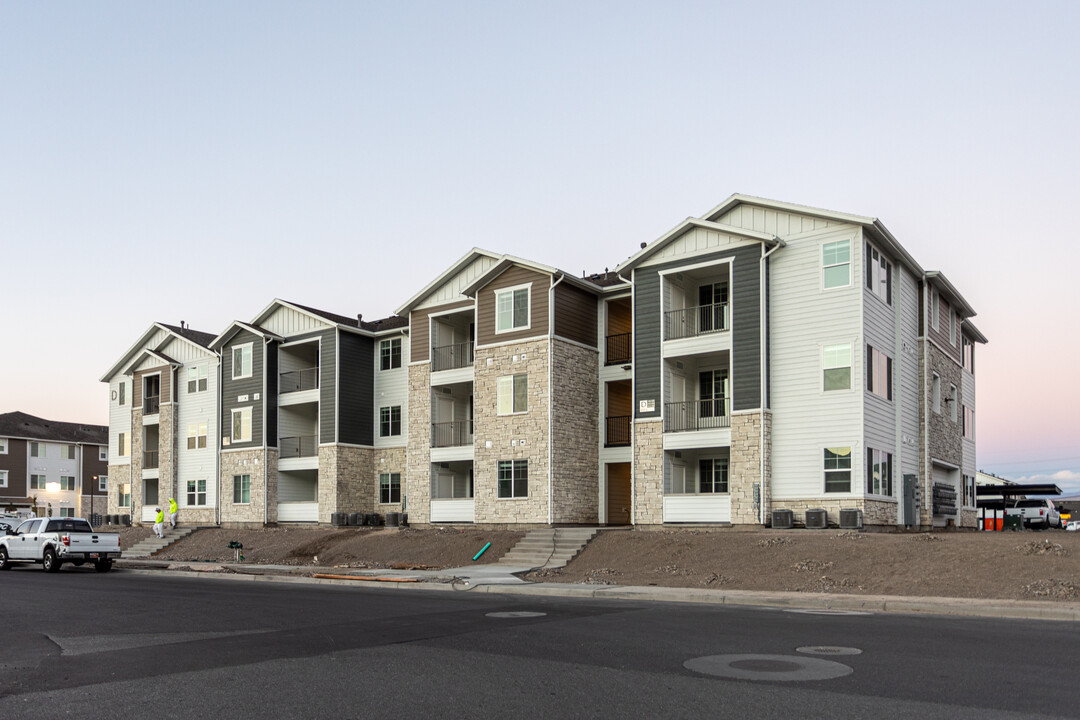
x=452 y=434
x=452 y=357
x=300 y=446
x=150 y=459
x=696 y=415
x=151 y=404
x=297 y=380
x=617 y=431
x=694 y=321
x=617 y=349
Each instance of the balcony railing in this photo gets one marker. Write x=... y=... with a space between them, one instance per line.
x=617 y=432
x=696 y=415
x=617 y=349
x=452 y=357
x=694 y=321
x=452 y=434
x=301 y=446
x=297 y=380
x=151 y=404
x=150 y=459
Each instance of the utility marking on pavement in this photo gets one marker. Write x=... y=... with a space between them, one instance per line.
x=516 y=614
x=828 y=650
x=784 y=668
x=830 y=612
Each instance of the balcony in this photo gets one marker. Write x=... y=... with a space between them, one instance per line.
x=696 y=415
x=298 y=380
x=458 y=433
x=617 y=349
x=298 y=447
x=151 y=404
x=617 y=431
x=452 y=357
x=150 y=460
x=695 y=321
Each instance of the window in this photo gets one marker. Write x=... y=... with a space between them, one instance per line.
x=878 y=373
x=241 y=425
x=390 y=354
x=936 y=393
x=3 y=446
x=836 y=264
x=713 y=475
x=969 y=491
x=123 y=394
x=196 y=379
x=512 y=394
x=511 y=309
x=969 y=355
x=390 y=488
x=390 y=421
x=37 y=450
x=953 y=403
x=446 y=485
x=952 y=327
x=933 y=308
x=103 y=483
x=838 y=469
x=196 y=492
x=37 y=482
x=122 y=447
x=879 y=473
x=513 y=478
x=969 y=423
x=67 y=482
x=836 y=360
x=67 y=512
x=241 y=489
x=103 y=454
x=878 y=274
x=241 y=361
x=123 y=495
x=196 y=436
x=3 y=478
x=67 y=452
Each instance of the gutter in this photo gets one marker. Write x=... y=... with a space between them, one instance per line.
x=762 y=512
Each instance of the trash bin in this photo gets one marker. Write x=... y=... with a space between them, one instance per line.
x=1014 y=522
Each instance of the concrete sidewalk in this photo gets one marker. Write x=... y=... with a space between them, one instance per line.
x=500 y=579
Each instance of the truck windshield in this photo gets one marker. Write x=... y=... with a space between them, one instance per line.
x=69 y=526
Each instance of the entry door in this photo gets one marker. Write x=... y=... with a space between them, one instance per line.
x=712 y=302
x=618 y=494
x=712 y=393
x=150 y=493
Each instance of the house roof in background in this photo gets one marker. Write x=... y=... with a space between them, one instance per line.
x=20 y=425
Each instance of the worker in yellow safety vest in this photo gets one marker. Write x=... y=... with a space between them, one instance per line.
x=159 y=523
x=172 y=512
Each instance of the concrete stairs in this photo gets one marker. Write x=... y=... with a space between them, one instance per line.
x=549 y=548
x=154 y=544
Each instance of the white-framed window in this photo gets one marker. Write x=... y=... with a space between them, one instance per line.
x=934 y=308
x=878 y=373
x=390 y=354
x=836 y=365
x=969 y=355
x=67 y=452
x=241 y=361
x=196 y=435
x=712 y=475
x=935 y=392
x=969 y=423
x=953 y=402
x=196 y=378
x=878 y=274
x=390 y=421
x=37 y=450
x=3 y=446
x=952 y=327
x=389 y=488
x=67 y=482
x=969 y=491
x=3 y=478
x=512 y=309
x=123 y=448
x=37 y=482
x=836 y=264
x=123 y=495
x=103 y=454
x=879 y=473
x=123 y=394
x=513 y=478
x=103 y=483
x=512 y=394
x=241 y=489
x=67 y=512
x=241 y=425
x=837 y=469
x=196 y=492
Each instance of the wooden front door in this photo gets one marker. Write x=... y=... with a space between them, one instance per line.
x=618 y=494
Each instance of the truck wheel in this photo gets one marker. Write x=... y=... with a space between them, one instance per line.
x=103 y=565
x=77 y=563
x=49 y=561
x=5 y=564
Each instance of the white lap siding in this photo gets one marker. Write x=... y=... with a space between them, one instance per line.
x=195 y=408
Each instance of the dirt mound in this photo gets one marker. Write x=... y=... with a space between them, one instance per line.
x=1045 y=547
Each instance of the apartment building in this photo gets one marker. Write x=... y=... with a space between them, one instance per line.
x=765 y=356
x=55 y=469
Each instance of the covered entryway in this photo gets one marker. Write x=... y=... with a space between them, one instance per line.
x=619 y=500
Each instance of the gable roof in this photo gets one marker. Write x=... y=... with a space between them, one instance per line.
x=507 y=261
x=969 y=328
x=684 y=227
x=236 y=326
x=28 y=427
x=445 y=275
x=199 y=339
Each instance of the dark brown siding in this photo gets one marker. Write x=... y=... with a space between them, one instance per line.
x=91 y=466
x=15 y=463
x=575 y=314
x=166 y=384
x=538 y=306
x=941 y=335
x=419 y=329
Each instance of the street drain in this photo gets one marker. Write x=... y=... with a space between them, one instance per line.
x=516 y=614
x=828 y=650
x=784 y=668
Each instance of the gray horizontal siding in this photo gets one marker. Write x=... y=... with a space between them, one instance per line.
x=231 y=389
x=327 y=386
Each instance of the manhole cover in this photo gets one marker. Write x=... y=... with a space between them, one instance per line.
x=785 y=668
x=828 y=650
x=516 y=614
x=829 y=612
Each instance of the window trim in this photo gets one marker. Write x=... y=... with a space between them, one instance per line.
x=935 y=309
x=251 y=360
x=954 y=401
x=188 y=492
x=68 y=480
x=827 y=470
x=389 y=421
x=123 y=499
x=202 y=374
x=240 y=488
x=968 y=429
x=873 y=269
x=850 y=366
x=514 y=466
x=232 y=428
x=44 y=450
x=103 y=453
x=37 y=481
x=874 y=359
x=3 y=478
x=824 y=266
x=103 y=483
x=123 y=445
x=389 y=355
x=500 y=384
x=877 y=458
x=122 y=394
x=388 y=491
x=3 y=446
x=527 y=287
x=935 y=393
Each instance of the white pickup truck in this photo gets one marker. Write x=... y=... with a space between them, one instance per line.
x=55 y=541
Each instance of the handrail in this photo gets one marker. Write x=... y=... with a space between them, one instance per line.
x=694 y=321
x=696 y=415
x=452 y=357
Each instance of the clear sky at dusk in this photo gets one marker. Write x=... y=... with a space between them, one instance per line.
x=192 y=161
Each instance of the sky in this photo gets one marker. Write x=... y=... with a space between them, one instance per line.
x=193 y=161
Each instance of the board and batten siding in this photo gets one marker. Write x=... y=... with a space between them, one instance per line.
x=449 y=291
x=119 y=417
x=195 y=408
x=538 y=306
x=289 y=323
x=575 y=314
x=745 y=299
x=233 y=389
x=420 y=330
x=356 y=383
x=391 y=388
x=804 y=318
x=782 y=223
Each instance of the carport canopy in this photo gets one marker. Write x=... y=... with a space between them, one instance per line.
x=1014 y=490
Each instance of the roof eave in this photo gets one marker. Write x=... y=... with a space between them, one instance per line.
x=653 y=247
x=449 y=272
x=955 y=298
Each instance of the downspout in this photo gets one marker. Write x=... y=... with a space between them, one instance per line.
x=551 y=409
x=762 y=511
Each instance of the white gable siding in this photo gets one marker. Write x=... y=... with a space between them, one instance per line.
x=774 y=222
x=804 y=318
x=392 y=388
x=450 y=290
x=696 y=241
x=184 y=351
x=286 y=322
x=194 y=408
x=119 y=417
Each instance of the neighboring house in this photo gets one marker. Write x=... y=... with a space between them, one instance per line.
x=58 y=466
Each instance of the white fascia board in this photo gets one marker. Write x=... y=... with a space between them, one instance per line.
x=278 y=302
x=969 y=327
x=687 y=225
x=443 y=277
x=189 y=341
x=123 y=361
x=740 y=199
x=234 y=327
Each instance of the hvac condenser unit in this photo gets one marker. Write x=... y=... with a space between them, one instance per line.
x=817 y=519
x=851 y=519
x=782 y=519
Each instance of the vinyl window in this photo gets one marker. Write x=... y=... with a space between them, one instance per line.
x=935 y=390
x=969 y=423
x=390 y=488
x=123 y=495
x=123 y=449
x=196 y=379
x=67 y=512
x=878 y=274
x=836 y=362
x=196 y=492
x=934 y=308
x=67 y=482
x=878 y=373
x=103 y=454
x=390 y=421
x=390 y=354
x=969 y=491
x=241 y=425
x=953 y=409
x=952 y=327
x=37 y=482
x=838 y=469
x=241 y=489
x=37 y=450
x=513 y=477
x=3 y=478
x=713 y=475
x=512 y=309
x=196 y=435
x=241 y=361
x=103 y=483
x=67 y=452
x=879 y=469
x=123 y=394
x=836 y=264
x=969 y=355
x=3 y=446
x=512 y=394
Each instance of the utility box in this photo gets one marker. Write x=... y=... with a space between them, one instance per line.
x=782 y=519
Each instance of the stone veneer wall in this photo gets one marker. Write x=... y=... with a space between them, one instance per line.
x=263 y=486
x=118 y=475
x=345 y=474
x=166 y=454
x=744 y=470
x=944 y=437
x=648 y=481
x=522 y=436
x=388 y=460
x=417 y=479
x=575 y=408
x=136 y=442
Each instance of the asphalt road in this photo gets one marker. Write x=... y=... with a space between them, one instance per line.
x=80 y=644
